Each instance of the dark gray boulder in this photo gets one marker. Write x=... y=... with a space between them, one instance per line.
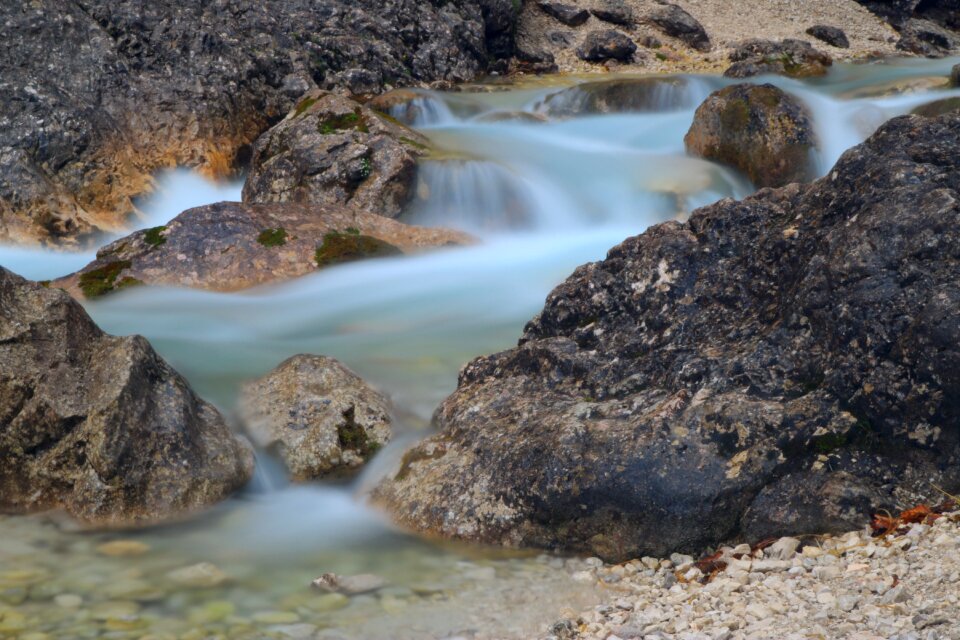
x=793 y=58
x=675 y=21
x=99 y=94
x=614 y=12
x=785 y=364
x=833 y=36
x=927 y=38
x=606 y=44
x=98 y=425
x=568 y=14
x=760 y=130
x=333 y=150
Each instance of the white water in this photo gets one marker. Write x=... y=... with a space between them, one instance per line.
x=544 y=197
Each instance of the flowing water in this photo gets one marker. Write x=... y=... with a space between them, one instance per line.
x=544 y=194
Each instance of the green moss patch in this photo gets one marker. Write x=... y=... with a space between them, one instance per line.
x=154 y=237
x=103 y=280
x=347 y=121
x=340 y=247
x=352 y=436
x=303 y=105
x=273 y=237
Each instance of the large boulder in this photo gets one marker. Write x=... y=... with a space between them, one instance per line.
x=834 y=36
x=780 y=365
x=333 y=150
x=624 y=95
x=606 y=44
x=99 y=94
x=319 y=417
x=231 y=246
x=675 y=21
x=759 y=129
x=793 y=58
x=98 y=425
x=568 y=14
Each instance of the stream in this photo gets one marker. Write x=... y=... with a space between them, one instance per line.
x=543 y=197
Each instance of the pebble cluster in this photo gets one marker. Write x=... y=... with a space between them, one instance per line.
x=902 y=586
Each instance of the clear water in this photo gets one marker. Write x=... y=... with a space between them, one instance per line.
x=543 y=197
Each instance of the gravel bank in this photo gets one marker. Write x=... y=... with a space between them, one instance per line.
x=903 y=586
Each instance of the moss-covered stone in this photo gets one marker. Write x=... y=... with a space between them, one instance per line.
x=340 y=247
x=154 y=237
x=354 y=120
x=273 y=237
x=103 y=280
x=351 y=435
x=303 y=105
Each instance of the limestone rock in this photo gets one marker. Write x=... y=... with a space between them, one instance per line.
x=774 y=366
x=758 y=129
x=333 y=150
x=99 y=425
x=231 y=246
x=793 y=58
x=317 y=415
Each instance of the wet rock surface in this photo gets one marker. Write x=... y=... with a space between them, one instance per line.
x=778 y=365
x=675 y=21
x=606 y=44
x=759 y=129
x=101 y=93
x=833 y=36
x=100 y=426
x=792 y=58
x=333 y=150
x=319 y=417
x=628 y=95
x=231 y=246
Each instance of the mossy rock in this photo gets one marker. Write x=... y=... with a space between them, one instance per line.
x=349 y=121
x=273 y=237
x=103 y=280
x=343 y=247
x=938 y=108
x=154 y=237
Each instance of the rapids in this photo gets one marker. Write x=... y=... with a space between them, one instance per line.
x=543 y=197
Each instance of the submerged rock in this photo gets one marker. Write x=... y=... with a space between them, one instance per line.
x=320 y=418
x=349 y=585
x=781 y=365
x=627 y=95
x=675 y=21
x=606 y=44
x=758 y=129
x=833 y=36
x=793 y=58
x=333 y=150
x=231 y=246
x=100 y=426
x=100 y=94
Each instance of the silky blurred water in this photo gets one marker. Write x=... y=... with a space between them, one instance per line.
x=543 y=196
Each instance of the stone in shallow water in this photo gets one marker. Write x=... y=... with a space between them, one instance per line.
x=123 y=548
x=203 y=575
x=350 y=585
x=275 y=617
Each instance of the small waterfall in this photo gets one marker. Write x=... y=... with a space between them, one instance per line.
x=625 y=95
x=426 y=110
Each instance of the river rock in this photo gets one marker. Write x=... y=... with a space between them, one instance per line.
x=100 y=426
x=318 y=416
x=625 y=95
x=568 y=14
x=758 y=129
x=833 y=36
x=774 y=366
x=614 y=12
x=793 y=58
x=231 y=246
x=675 y=21
x=606 y=44
x=333 y=150
x=100 y=94
x=349 y=585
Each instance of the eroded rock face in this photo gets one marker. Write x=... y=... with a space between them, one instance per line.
x=675 y=21
x=627 y=95
x=775 y=366
x=100 y=425
x=98 y=94
x=793 y=58
x=333 y=150
x=230 y=246
x=319 y=417
x=758 y=129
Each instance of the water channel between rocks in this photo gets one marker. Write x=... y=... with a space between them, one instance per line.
x=544 y=194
